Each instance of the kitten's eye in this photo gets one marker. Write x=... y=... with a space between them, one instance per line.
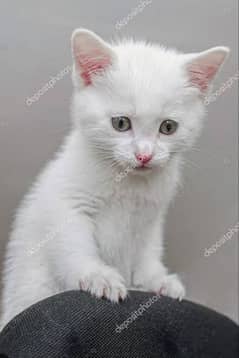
x=121 y=124
x=168 y=127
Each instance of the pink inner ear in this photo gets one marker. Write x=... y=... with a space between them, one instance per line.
x=92 y=64
x=202 y=75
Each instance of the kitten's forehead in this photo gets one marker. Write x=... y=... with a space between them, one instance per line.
x=146 y=73
x=145 y=61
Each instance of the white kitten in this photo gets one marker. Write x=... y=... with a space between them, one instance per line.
x=136 y=107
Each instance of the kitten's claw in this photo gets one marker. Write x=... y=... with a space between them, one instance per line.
x=106 y=282
x=171 y=286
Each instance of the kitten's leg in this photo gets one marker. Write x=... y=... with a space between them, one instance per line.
x=151 y=275
x=79 y=266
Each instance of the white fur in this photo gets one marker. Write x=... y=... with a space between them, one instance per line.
x=79 y=228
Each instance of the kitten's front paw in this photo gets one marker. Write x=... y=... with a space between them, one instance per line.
x=170 y=286
x=104 y=282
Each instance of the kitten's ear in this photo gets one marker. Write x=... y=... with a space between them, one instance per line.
x=91 y=55
x=203 y=67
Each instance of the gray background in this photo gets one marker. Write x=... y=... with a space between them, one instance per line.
x=34 y=45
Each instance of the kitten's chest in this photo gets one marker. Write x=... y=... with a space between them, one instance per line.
x=123 y=226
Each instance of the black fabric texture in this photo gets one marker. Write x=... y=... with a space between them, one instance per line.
x=76 y=325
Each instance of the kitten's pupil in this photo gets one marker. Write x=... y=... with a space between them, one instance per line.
x=169 y=127
x=121 y=123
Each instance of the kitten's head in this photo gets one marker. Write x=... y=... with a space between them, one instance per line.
x=137 y=104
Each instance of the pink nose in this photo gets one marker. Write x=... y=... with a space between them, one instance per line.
x=143 y=158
